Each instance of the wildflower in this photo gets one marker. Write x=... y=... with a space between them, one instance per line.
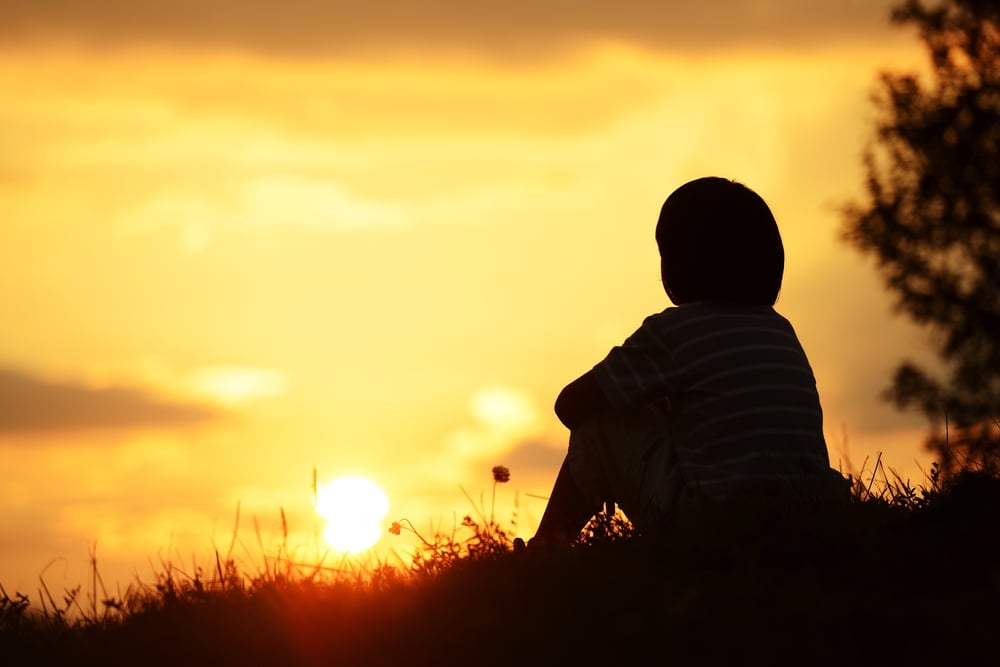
x=395 y=528
x=501 y=474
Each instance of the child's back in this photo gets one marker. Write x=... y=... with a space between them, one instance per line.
x=745 y=417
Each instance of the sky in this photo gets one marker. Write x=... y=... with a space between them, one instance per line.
x=239 y=244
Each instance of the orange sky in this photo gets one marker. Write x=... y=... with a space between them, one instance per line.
x=239 y=245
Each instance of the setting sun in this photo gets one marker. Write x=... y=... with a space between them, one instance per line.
x=353 y=508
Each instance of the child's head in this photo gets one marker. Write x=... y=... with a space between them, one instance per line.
x=719 y=241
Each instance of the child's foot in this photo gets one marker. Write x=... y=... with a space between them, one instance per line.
x=551 y=540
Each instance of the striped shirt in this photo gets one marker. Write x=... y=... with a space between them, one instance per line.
x=745 y=416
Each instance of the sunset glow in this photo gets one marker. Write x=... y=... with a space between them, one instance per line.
x=241 y=244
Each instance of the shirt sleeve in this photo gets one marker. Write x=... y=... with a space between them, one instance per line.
x=639 y=370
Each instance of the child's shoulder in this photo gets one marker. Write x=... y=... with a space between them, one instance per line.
x=717 y=309
x=714 y=315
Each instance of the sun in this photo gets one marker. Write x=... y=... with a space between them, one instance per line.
x=353 y=508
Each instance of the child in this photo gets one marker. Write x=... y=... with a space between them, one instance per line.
x=709 y=402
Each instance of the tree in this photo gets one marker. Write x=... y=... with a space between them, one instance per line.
x=931 y=218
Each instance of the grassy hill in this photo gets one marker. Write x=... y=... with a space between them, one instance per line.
x=901 y=576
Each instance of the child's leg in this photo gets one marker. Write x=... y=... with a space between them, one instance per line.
x=626 y=458
x=567 y=512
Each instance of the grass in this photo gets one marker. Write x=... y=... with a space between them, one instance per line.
x=902 y=575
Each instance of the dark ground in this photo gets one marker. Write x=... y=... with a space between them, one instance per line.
x=872 y=584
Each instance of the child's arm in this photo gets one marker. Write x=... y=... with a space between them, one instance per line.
x=581 y=399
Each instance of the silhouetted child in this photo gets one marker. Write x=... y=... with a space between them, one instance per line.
x=709 y=403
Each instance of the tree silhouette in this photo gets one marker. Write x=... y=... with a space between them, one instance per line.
x=931 y=218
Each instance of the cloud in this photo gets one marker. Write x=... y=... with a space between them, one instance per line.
x=504 y=409
x=502 y=416
x=516 y=29
x=265 y=203
x=234 y=384
x=535 y=458
x=31 y=404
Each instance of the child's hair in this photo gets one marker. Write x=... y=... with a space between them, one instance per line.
x=719 y=241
